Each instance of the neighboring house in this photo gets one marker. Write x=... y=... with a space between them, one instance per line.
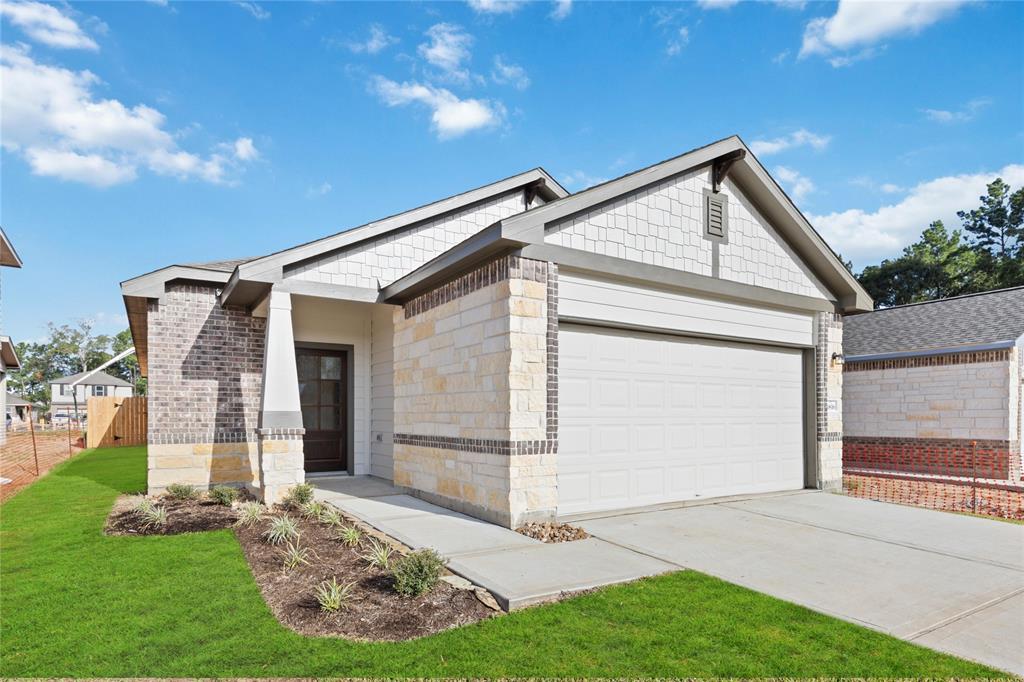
x=935 y=388
x=8 y=354
x=17 y=411
x=516 y=352
x=63 y=396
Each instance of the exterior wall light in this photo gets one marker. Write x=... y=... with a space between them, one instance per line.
x=837 y=359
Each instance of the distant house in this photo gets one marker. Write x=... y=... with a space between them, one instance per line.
x=63 y=396
x=8 y=356
x=18 y=412
x=935 y=389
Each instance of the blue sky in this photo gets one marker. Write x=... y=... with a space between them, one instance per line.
x=137 y=135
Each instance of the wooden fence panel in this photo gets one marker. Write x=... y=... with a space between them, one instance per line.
x=115 y=421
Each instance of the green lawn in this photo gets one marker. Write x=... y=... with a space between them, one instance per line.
x=75 y=603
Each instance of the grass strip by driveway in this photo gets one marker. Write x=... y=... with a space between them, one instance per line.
x=78 y=604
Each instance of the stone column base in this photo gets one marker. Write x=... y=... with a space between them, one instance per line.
x=282 y=465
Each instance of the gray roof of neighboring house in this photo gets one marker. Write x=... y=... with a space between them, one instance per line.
x=97 y=379
x=949 y=323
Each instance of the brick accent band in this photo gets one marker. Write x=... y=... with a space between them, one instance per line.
x=281 y=434
x=484 y=445
x=499 y=270
x=970 y=358
x=552 y=355
x=941 y=456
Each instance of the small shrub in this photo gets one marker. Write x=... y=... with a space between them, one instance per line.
x=282 y=529
x=250 y=513
x=312 y=510
x=331 y=517
x=153 y=516
x=298 y=496
x=378 y=555
x=182 y=491
x=350 y=535
x=293 y=556
x=223 y=494
x=333 y=597
x=417 y=573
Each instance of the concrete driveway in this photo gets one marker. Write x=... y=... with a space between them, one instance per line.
x=949 y=582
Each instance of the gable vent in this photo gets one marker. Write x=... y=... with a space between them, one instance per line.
x=716 y=215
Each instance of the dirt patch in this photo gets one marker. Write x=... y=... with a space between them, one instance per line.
x=20 y=452
x=553 y=532
x=183 y=516
x=375 y=612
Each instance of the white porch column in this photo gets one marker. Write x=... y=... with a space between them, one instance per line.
x=280 y=430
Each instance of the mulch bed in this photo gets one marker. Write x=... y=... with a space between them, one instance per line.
x=183 y=516
x=374 y=613
x=553 y=532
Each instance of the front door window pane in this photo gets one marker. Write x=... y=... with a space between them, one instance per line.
x=308 y=366
x=330 y=368
x=309 y=417
x=329 y=419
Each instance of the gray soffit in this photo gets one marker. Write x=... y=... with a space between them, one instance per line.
x=269 y=268
x=955 y=324
x=8 y=256
x=9 y=353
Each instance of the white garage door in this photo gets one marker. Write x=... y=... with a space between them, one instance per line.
x=646 y=419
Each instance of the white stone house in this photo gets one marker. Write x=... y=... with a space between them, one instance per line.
x=65 y=398
x=516 y=352
x=934 y=389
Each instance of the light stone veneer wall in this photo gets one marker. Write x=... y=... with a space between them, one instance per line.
x=664 y=225
x=382 y=261
x=969 y=400
x=830 y=400
x=472 y=394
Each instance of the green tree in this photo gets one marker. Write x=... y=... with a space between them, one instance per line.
x=997 y=233
x=128 y=367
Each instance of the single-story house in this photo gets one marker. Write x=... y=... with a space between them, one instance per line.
x=516 y=352
x=64 y=399
x=17 y=412
x=9 y=258
x=935 y=388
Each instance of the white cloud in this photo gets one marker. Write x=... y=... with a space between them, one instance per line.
x=780 y=57
x=448 y=49
x=890 y=188
x=253 y=9
x=245 y=150
x=377 y=41
x=495 y=6
x=797 y=138
x=47 y=24
x=581 y=180
x=717 y=4
x=319 y=191
x=50 y=116
x=506 y=73
x=562 y=9
x=797 y=186
x=451 y=117
x=797 y=5
x=967 y=113
x=869 y=236
x=859 y=24
x=676 y=45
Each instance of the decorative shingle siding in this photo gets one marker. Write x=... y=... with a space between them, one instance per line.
x=664 y=225
x=381 y=261
x=205 y=373
x=473 y=392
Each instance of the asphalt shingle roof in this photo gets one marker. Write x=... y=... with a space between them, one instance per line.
x=98 y=379
x=221 y=265
x=947 y=323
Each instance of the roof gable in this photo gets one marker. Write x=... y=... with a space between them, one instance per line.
x=947 y=324
x=97 y=379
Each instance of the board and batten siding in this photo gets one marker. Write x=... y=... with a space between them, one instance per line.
x=588 y=299
x=382 y=392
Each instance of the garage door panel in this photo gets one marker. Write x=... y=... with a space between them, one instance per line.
x=669 y=419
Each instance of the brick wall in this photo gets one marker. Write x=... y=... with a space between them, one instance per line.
x=473 y=393
x=664 y=225
x=943 y=456
x=205 y=372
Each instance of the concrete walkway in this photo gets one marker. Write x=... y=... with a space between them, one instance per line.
x=949 y=582
x=517 y=570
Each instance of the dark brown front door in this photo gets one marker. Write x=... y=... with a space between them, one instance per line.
x=323 y=393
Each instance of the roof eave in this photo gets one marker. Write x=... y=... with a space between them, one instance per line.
x=8 y=255
x=10 y=353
